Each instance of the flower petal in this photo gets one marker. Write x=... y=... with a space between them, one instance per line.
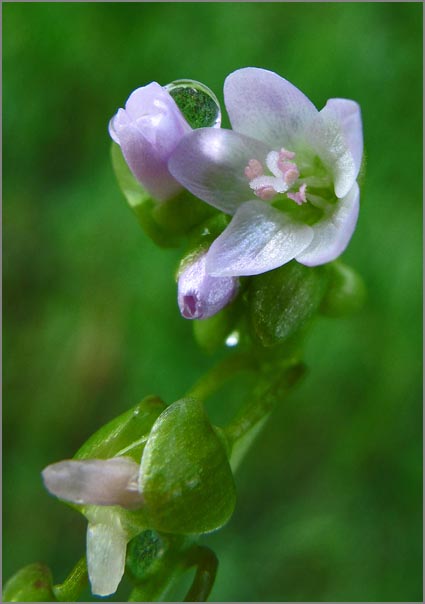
x=333 y=233
x=211 y=163
x=265 y=106
x=106 y=549
x=327 y=137
x=349 y=116
x=95 y=481
x=259 y=239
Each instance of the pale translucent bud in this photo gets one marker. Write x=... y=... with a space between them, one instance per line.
x=95 y=481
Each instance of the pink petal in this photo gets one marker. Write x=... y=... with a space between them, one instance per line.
x=259 y=239
x=211 y=162
x=265 y=106
x=333 y=233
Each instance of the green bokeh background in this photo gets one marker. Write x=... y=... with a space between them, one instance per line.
x=329 y=502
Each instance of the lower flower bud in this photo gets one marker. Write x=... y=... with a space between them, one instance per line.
x=201 y=296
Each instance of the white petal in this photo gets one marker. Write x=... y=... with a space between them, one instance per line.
x=259 y=239
x=349 y=116
x=333 y=233
x=265 y=106
x=327 y=138
x=106 y=549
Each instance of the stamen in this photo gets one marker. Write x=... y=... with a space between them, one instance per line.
x=265 y=193
x=253 y=169
x=290 y=172
x=285 y=154
x=299 y=197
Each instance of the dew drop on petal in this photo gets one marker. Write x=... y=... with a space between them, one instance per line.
x=197 y=102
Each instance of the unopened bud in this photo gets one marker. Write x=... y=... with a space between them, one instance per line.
x=201 y=296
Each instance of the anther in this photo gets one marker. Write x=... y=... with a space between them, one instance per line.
x=299 y=197
x=253 y=169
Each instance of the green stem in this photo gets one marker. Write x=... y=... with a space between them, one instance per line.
x=207 y=564
x=76 y=581
x=214 y=379
x=263 y=402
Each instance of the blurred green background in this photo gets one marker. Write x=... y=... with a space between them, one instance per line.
x=330 y=497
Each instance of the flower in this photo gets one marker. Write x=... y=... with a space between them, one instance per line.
x=287 y=172
x=100 y=485
x=201 y=296
x=148 y=130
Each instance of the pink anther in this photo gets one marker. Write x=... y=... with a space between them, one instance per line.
x=290 y=172
x=253 y=169
x=265 y=193
x=285 y=154
x=299 y=197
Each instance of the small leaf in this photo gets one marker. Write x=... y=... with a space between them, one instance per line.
x=283 y=300
x=185 y=476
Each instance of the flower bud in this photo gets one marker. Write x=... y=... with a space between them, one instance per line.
x=95 y=481
x=148 y=130
x=201 y=296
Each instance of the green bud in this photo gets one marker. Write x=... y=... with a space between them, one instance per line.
x=283 y=300
x=124 y=435
x=185 y=477
x=33 y=583
x=346 y=291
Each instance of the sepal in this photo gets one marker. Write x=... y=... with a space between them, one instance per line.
x=283 y=300
x=185 y=477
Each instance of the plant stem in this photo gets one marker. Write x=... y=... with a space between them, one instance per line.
x=207 y=564
x=69 y=590
x=263 y=402
x=218 y=375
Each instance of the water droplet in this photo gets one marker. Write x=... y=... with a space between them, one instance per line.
x=233 y=339
x=197 y=102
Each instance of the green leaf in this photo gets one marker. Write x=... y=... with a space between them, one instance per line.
x=185 y=476
x=346 y=292
x=33 y=583
x=124 y=435
x=283 y=300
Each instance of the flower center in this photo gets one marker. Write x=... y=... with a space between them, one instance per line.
x=283 y=178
